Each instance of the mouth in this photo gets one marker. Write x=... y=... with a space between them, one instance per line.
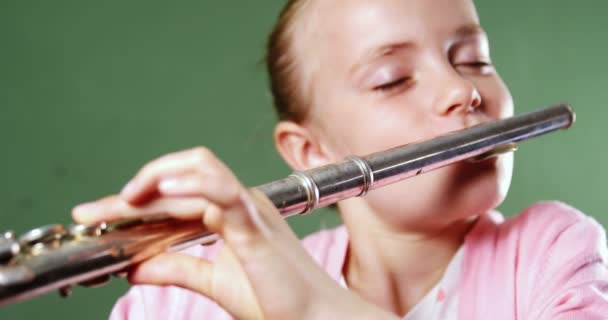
x=494 y=153
x=467 y=170
x=487 y=161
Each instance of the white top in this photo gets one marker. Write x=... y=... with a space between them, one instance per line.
x=441 y=303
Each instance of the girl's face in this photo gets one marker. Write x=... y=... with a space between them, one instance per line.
x=385 y=73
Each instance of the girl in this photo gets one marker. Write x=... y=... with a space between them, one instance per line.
x=350 y=78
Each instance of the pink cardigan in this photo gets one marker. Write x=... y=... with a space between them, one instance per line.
x=549 y=262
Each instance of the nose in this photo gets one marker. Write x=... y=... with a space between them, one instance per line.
x=460 y=95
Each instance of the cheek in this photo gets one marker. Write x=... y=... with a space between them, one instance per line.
x=496 y=97
x=371 y=128
x=505 y=173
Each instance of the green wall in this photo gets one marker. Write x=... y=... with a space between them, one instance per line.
x=90 y=90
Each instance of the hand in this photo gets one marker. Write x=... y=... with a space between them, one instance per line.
x=261 y=272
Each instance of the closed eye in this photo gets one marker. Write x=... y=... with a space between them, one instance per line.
x=477 y=64
x=479 y=67
x=392 y=85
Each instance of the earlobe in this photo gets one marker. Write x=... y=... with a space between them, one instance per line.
x=298 y=146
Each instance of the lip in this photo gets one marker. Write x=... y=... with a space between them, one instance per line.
x=491 y=160
x=485 y=162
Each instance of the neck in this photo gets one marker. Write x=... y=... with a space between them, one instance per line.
x=397 y=268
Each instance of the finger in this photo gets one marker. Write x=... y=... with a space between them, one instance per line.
x=105 y=209
x=116 y=208
x=244 y=225
x=236 y=225
x=146 y=180
x=217 y=188
x=257 y=228
x=175 y=269
x=227 y=285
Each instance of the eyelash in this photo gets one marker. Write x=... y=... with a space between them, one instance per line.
x=387 y=87
x=476 y=65
x=392 y=85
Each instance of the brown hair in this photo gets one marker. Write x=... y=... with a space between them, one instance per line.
x=286 y=84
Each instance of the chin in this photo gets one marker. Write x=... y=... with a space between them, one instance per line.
x=483 y=186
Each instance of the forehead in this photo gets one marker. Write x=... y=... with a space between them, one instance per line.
x=351 y=26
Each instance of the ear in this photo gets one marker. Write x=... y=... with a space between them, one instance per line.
x=298 y=146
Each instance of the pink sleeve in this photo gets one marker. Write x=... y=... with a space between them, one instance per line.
x=564 y=272
x=169 y=302
x=130 y=306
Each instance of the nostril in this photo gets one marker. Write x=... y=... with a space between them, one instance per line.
x=476 y=103
x=452 y=109
x=474 y=106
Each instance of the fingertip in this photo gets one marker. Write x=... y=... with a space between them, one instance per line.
x=158 y=270
x=129 y=191
x=83 y=213
x=145 y=273
x=76 y=216
x=212 y=218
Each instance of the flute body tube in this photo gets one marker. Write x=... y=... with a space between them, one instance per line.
x=303 y=192
x=54 y=257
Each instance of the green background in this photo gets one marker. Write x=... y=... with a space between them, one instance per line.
x=91 y=90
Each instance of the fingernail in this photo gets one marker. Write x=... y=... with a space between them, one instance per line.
x=85 y=210
x=85 y=206
x=168 y=185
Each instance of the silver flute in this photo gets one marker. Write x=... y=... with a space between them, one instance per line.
x=55 y=257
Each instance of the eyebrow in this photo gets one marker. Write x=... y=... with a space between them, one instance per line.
x=387 y=49
x=462 y=32
x=469 y=30
x=383 y=50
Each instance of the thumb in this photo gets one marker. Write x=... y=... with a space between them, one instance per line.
x=176 y=269
x=222 y=281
